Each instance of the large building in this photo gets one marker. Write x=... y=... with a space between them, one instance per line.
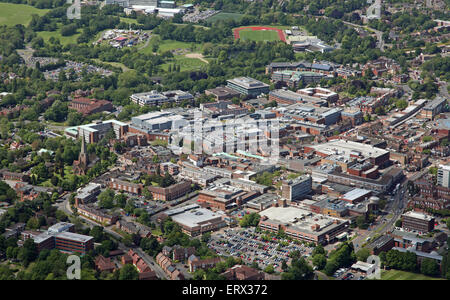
x=222 y=93
x=415 y=221
x=94 y=132
x=433 y=108
x=296 y=188
x=443 y=176
x=126 y=186
x=248 y=86
x=350 y=149
x=154 y=98
x=195 y=220
x=59 y=236
x=88 y=106
x=172 y=192
x=302 y=224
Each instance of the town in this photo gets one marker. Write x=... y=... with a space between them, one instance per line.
x=155 y=149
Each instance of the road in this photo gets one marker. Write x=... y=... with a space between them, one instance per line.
x=152 y=263
x=394 y=209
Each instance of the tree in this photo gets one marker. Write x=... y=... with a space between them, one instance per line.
x=319 y=261
x=298 y=270
x=269 y=269
x=128 y=272
x=448 y=223
x=106 y=199
x=250 y=220
x=429 y=267
x=363 y=254
x=398 y=223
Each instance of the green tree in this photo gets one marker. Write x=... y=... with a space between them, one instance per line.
x=128 y=272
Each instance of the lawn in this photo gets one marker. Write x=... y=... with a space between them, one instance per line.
x=402 y=275
x=12 y=14
x=65 y=40
x=185 y=63
x=128 y=20
x=167 y=45
x=259 y=35
x=224 y=16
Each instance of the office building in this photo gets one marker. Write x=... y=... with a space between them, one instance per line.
x=297 y=188
x=248 y=86
x=443 y=176
x=415 y=221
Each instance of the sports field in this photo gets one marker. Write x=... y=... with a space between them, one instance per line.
x=185 y=63
x=12 y=14
x=259 y=33
x=224 y=16
x=402 y=275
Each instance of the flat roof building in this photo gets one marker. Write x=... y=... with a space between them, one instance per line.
x=302 y=224
x=195 y=221
x=248 y=86
x=415 y=221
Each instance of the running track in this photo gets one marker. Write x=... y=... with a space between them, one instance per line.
x=280 y=32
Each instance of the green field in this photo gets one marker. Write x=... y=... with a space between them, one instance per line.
x=65 y=40
x=402 y=275
x=224 y=16
x=12 y=14
x=185 y=63
x=167 y=45
x=128 y=20
x=259 y=35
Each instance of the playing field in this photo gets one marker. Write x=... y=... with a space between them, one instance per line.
x=401 y=275
x=65 y=40
x=259 y=35
x=224 y=16
x=12 y=14
x=185 y=63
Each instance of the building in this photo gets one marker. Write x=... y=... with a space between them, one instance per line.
x=194 y=220
x=96 y=214
x=88 y=193
x=196 y=263
x=243 y=272
x=94 y=132
x=172 y=192
x=80 y=166
x=320 y=93
x=302 y=224
x=282 y=96
x=121 y=185
x=88 y=106
x=155 y=98
x=433 y=108
x=59 y=236
x=443 y=176
x=415 y=221
x=248 y=86
x=297 y=188
x=356 y=195
x=103 y=264
x=223 y=93
x=351 y=150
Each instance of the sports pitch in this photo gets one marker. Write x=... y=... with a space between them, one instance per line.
x=259 y=35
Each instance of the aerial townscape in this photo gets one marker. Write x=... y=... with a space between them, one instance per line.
x=225 y=140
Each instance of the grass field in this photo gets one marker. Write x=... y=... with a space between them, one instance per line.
x=185 y=63
x=65 y=40
x=259 y=35
x=224 y=16
x=128 y=20
x=12 y=14
x=167 y=45
x=401 y=275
